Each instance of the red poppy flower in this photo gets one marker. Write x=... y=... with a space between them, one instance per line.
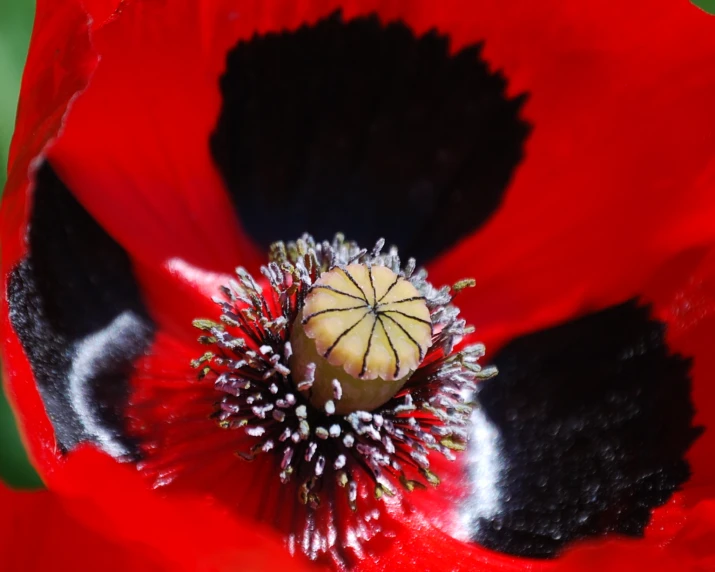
x=559 y=154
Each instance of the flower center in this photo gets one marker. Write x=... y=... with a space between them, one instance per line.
x=362 y=332
x=343 y=374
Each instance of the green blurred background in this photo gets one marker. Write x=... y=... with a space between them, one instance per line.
x=707 y=5
x=15 y=27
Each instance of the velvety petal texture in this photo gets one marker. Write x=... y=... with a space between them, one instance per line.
x=558 y=153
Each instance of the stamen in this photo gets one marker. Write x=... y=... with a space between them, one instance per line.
x=341 y=369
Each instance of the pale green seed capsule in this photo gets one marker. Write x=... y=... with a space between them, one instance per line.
x=364 y=330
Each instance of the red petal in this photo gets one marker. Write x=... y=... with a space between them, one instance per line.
x=147 y=175
x=167 y=200
x=683 y=294
x=430 y=550
x=690 y=549
x=164 y=188
x=598 y=204
x=670 y=544
x=178 y=293
x=608 y=190
x=38 y=533
x=60 y=61
x=187 y=533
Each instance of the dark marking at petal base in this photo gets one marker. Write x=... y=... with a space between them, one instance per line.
x=593 y=420
x=77 y=312
x=360 y=127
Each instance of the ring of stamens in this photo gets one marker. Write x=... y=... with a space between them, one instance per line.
x=262 y=395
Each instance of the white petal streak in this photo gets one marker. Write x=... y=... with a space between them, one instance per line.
x=90 y=361
x=484 y=466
